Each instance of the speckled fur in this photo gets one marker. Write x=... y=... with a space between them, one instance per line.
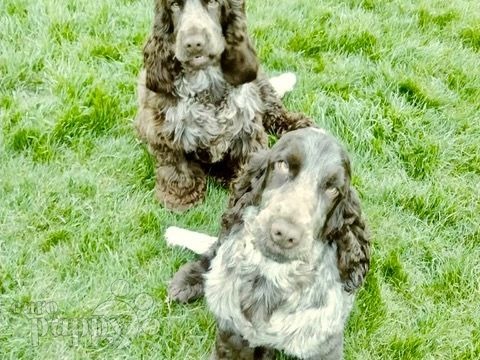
x=299 y=307
x=294 y=299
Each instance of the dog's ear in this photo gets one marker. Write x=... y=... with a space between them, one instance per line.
x=239 y=60
x=246 y=189
x=158 y=57
x=346 y=228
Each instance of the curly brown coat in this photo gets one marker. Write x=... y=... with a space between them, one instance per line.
x=204 y=106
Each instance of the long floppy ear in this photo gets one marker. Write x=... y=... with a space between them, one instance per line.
x=246 y=189
x=158 y=56
x=346 y=227
x=239 y=60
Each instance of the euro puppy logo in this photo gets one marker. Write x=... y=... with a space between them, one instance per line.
x=112 y=323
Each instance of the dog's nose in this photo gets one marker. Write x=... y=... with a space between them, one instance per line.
x=194 y=43
x=285 y=234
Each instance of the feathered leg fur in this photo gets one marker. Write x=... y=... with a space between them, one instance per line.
x=187 y=283
x=231 y=346
x=180 y=182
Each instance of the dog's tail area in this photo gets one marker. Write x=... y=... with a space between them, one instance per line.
x=197 y=242
x=283 y=83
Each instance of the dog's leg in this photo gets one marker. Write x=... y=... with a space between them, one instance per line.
x=231 y=346
x=332 y=350
x=180 y=183
x=262 y=353
x=280 y=121
x=276 y=119
x=283 y=83
x=293 y=121
x=187 y=283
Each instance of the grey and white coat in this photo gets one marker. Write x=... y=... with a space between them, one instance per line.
x=292 y=252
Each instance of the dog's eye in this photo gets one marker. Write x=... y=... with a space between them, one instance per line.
x=330 y=183
x=280 y=173
x=281 y=167
x=175 y=4
x=211 y=2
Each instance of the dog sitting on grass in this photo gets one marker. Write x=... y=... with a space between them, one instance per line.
x=204 y=105
x=292 y=252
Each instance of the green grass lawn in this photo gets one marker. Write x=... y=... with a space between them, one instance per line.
x=83 y=263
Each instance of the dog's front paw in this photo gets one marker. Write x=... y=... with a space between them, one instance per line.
x=184 y=293
x=187 y=283
x=180 y=190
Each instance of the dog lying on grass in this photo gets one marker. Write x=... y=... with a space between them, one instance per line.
x=292 y=252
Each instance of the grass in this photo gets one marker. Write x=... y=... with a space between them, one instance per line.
x=83 y=264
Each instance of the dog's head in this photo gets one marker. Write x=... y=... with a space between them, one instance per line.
x=303 y=194
x=194 y=34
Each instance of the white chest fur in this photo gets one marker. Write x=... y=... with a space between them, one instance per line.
x=313 y=307
x=211 y=114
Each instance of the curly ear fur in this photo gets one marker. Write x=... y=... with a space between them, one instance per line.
x=239 y=60
x=158 y=56
x=246 y=189
x=346 y=227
